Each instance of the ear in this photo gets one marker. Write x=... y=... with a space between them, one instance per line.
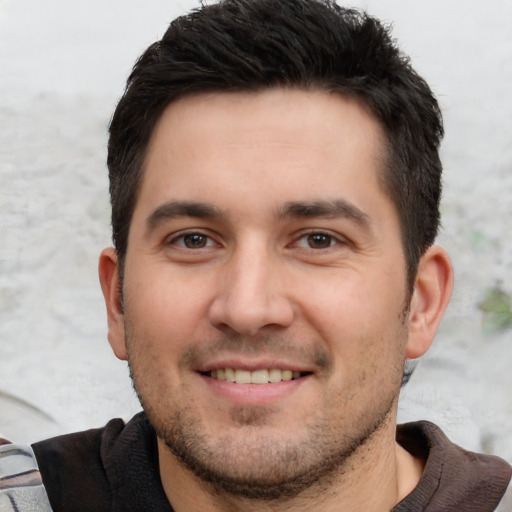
x=109 y=278
x=432 y=291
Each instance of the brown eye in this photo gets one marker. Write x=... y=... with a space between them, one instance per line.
x=195 y=241
x=319 y=241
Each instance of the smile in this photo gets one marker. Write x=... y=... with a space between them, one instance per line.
x=270 y=376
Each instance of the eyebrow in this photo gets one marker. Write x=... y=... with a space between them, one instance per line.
x=338 y=208
x=175 y=209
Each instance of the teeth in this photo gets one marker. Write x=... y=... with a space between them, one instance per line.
x=242 y=377
x=255 y=377
x=286 y=375
x=259 y=377
x=274 y=375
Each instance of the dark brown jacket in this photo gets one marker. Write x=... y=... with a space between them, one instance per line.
x=115 y=469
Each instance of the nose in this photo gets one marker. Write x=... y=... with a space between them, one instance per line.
x=252 y=295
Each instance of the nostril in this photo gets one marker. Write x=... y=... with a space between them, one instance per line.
x=245 y=306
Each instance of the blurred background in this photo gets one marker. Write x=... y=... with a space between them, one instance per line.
x=63 y=66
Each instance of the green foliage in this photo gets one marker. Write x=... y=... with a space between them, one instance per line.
x=497 y=309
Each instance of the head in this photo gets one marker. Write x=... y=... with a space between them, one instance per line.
x=275 y=184
x=253 y=45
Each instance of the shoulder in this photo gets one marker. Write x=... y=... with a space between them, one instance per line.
x=73 y=468
x=110 y=468
x=79 y=446
x=453 y=478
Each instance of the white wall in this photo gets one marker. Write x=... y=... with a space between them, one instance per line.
x=63 y=65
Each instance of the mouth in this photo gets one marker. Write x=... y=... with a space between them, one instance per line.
x=261 y=376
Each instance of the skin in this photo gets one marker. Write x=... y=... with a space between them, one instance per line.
x=262 y=238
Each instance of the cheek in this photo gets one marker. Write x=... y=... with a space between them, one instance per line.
x=161 y=300
x=338 y=306
x=360 y=319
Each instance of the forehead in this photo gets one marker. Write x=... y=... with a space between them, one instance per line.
x=218 y=146
x=275 y=111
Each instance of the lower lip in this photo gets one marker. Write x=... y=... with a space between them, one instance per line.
x=253 y=394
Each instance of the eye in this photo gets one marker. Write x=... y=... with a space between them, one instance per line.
x=317 y=240
x=193 y=241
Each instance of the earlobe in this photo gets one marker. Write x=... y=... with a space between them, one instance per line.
x=432 y=292
x=109 y=278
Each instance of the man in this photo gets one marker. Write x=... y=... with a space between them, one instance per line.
x=275 y=183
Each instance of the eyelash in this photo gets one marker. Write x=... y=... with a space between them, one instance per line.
x=332 y=240
x=183 y=236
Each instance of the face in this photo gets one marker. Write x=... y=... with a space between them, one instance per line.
x=264 y=287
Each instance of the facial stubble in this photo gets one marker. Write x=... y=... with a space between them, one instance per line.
x=253 y=463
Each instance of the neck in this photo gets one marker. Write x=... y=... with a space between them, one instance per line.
x=376 y=477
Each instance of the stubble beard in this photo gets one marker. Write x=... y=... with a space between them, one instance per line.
x=266 y=469
x=257 y=465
